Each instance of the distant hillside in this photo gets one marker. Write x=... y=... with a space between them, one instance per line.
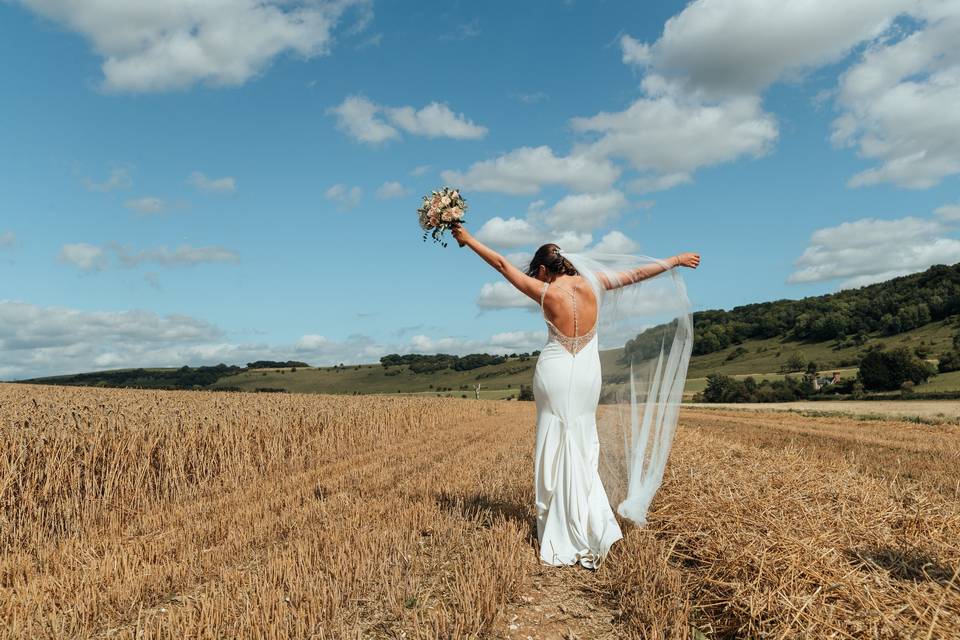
x=847 y=317
x=766 y=340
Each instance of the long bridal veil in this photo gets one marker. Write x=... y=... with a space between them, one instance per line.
x=645 y=333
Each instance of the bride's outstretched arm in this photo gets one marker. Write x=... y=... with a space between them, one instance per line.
x=524 y=283
x=633 y=276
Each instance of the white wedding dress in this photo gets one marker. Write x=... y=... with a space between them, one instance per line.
x=575 y=522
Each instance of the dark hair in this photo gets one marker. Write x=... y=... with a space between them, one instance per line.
x=549 y=256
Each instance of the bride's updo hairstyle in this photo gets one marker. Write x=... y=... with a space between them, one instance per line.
x=549 y=256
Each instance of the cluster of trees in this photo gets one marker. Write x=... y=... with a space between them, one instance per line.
x=887 y=370
x=890 y=307
x=950 y=361
x=182 y=378
x=275 y=364
x=421 y=363
x=880 y=370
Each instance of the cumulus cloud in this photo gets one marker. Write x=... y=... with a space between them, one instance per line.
x=146 y=205
x=572 y=241
x=40 y=341
x=526 y=170
x=366 y=121
x=119 y=179
x=86 y=257
x=392 y=189
x=899 y=104
x=420 y=170
x=500 y=343
x=503 y=295
x=345 y=197
x=583 y=212
x=89 y=257
x=227 y=184
x=614 y=242
x=358 y=118
x=739 y=47
x=510 y=233
x=173 y=44
x=949 y=212
x=434 y=121
x=668 y=136
x=705 y=74
x=872 y=250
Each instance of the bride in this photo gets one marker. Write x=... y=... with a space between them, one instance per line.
x=575 y=522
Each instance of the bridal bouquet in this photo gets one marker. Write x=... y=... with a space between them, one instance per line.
x=440 y=211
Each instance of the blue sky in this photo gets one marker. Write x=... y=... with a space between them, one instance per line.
x=184 y=184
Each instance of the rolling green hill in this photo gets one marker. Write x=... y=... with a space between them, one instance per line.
x=920 y=311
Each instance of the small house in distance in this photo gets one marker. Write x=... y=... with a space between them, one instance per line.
x=820 y=382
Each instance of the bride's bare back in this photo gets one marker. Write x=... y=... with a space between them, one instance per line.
x=558 y=306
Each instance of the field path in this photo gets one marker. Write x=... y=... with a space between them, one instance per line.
x=553 y=603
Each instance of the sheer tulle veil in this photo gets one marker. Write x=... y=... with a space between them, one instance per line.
x=645 y=333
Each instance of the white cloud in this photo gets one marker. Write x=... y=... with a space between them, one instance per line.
x=344 y=197
x=367 y=122
x=119 y=179
x=435 y=121
x=520 y=259
x=503 y=295
x=949 y=212
x=357 y=117
x=183 y=255
x=518 y=340
x=146 y=205
x=392 y=189
x=582 y=211
x=669 y=136
x=572 y=241
x=739 y=47
x=40 y=341
x=172 y=44
x=871 y=250
x=509 y=233
x=634 y=51
x=86 y=257
x=227 y=184
x=500 y=343
x=8 y=240
x=900 y=102
x=704 y=76
x=312 y=341
x=420 y=170
x=614 y=242
x=526 y=170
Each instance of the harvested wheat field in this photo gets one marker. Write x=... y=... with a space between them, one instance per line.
x=142 y=514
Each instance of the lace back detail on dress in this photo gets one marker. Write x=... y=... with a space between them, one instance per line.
x=574 y=343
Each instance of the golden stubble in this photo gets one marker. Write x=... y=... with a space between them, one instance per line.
x=155 y=514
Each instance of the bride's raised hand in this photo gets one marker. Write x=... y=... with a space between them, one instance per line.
x=691 y=260
x=460 y=233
